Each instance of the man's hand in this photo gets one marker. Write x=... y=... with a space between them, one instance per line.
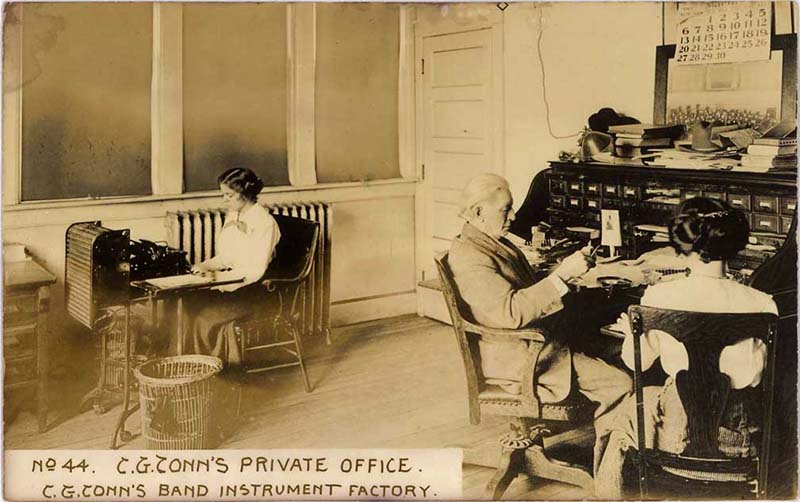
x=575 y=265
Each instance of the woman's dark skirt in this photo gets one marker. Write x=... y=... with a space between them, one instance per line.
x=213 y=315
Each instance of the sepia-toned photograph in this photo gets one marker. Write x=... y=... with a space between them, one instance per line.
x=371 y=250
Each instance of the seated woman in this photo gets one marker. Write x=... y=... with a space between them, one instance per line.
x=246 y=245
x=707 y=232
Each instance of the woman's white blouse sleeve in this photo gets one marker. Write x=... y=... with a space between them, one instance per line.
x=248 y=248
x=260 y=247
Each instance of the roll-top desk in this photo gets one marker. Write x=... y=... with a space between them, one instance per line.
x=649 y=196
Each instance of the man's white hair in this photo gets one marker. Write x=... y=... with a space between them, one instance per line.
x=479 y=189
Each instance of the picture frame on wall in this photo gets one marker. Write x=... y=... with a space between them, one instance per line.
x=756 y=94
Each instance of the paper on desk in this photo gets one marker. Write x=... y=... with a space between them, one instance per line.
x=187 y=280
x=179 y=281
x=589 y=279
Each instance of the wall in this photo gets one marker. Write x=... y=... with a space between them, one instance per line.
x=372 y=271
x=595 y=55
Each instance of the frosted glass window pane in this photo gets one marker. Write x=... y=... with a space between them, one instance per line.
x=86 y=72
x=234 y=91
x=356 y=92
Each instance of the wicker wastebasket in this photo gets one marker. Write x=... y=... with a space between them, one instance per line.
x=175 y=394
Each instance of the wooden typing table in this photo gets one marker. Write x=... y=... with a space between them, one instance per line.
x=175 y=287
x=26 y=299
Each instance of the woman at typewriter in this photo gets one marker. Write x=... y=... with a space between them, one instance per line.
x=707 y=232
x=245 y=246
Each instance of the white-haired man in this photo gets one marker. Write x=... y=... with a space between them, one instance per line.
x=498 y=284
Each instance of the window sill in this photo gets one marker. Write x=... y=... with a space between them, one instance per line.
x=101 y=201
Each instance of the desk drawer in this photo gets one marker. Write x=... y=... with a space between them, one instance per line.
x=765 y=223
x=19 y=370
x=574 y=203
x=557 y=187
x=593 y=219
x=575 y=187
x=558 y=201
x=18 y=338
x=631 y=192
x=786 y=223
x=689 y=194
x=20 y=301
x=593 y=189
x=592 y=203
x=739 y=201
x=765 y=204
x=714 y=195
x=611 y=191
x=611 y=203
x=788 y=205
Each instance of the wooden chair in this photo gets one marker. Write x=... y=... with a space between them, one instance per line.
x=706 y=397
x=286 y=280
x=523 y=448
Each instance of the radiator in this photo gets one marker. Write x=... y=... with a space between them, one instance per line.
x=196 y=231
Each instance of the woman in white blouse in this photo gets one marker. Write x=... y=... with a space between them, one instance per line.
x=245 y=245
x=707 y=232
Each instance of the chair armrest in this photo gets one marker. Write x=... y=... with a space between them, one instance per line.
x=531 y=406
x=530 y=401
x=533 y=334
x=279 y=280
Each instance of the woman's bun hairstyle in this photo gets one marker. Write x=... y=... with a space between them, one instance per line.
x=710 y=228
x=243 y=181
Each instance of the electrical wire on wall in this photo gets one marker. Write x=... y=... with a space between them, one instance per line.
x=544 y=83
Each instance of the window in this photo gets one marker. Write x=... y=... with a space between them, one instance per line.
x=234 y=92
x=356 y=91
x=86 y=71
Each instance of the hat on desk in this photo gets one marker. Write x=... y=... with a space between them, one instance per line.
x=702 y=141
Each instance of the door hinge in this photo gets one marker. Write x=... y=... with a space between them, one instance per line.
x=423 y=171
x=423 y=66
x=423 y=275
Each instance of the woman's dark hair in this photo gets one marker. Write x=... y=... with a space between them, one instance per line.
x=709 y=227
x=243 y=181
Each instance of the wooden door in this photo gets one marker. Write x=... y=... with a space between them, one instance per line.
x=459 y=104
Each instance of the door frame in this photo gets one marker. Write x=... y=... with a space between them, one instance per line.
x=497 y=134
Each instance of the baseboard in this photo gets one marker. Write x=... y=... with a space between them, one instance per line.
x=369 y=309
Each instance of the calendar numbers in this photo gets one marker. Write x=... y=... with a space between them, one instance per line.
x=723 y=32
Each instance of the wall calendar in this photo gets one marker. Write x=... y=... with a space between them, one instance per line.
x=723 y=32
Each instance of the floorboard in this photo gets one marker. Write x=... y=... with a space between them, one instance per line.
x=394 y=383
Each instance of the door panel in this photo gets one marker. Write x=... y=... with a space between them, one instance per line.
x=458 y=117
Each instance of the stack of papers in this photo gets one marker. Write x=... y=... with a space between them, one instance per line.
x=190 y=280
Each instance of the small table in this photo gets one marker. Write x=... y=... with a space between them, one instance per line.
x=177 y=286
x=26 y=297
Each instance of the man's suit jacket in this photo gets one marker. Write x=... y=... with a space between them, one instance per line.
x=495 y=279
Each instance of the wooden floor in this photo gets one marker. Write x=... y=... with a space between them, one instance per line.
x=396 y=383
